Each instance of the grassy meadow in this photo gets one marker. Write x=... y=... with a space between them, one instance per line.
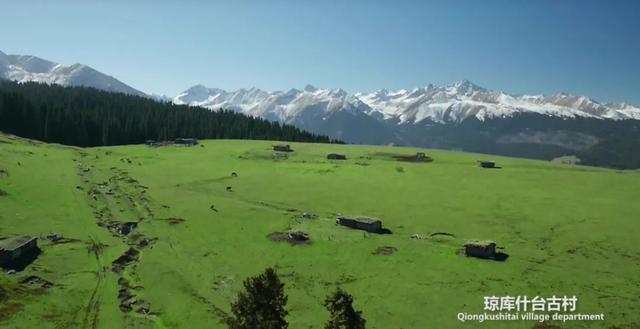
x=568 y=230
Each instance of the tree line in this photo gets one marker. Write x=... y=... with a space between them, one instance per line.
x=85 y=117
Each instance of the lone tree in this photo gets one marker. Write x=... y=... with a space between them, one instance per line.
x=343 y=315
x=261 y=305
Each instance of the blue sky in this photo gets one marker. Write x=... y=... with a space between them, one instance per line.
x=581 y=47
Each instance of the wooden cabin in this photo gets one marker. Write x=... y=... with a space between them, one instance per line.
x=335 y=156
x=15 y=248
x=480 y=249
x=487 y=164
x=361 y=223
x=282 y=148
x=186 y=141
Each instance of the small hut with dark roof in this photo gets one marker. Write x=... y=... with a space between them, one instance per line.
x=13 y=249
x=282 y=148
x=361 y=223
x=335 y=156
x=480 y=249
x=487 y=164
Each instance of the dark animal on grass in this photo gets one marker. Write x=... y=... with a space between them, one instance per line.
x=343 y=315
x=229 y=189
x=212 y=207
x=234 y=174
x=4 y=172
x=261 y=304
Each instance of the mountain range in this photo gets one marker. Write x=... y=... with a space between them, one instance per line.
x=461 y=116
x=450 y=104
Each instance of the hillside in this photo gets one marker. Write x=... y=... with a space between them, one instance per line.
x=84 y=116
x=568 y=230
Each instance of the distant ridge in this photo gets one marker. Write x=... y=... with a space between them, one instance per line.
x=24 y=68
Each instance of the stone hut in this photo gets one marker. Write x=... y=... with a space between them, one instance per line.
x=282 y=148
x=335 y=156
x=480 y=249
x=361 y=223
x=421 y=156
x=13 y=249
x=487 y=164
x=186 y=141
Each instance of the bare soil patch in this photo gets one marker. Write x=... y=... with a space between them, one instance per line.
x=385 y=251
x=36 y=281
x=291 y=237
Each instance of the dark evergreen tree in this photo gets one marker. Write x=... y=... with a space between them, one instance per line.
x=343 y=315
x=261 y=305
x=90 y=117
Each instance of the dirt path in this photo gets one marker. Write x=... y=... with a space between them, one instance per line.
x=111 y=200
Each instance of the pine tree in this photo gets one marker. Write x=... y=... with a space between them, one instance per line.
x=343 y=315
x=261 y=305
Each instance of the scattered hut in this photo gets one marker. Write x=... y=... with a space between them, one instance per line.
x=13 y=249
x=282 y=148
x=480 y=249
x=419 y=157
x=186 y=141
x=487 y=164
x=335 y=156
x=361 y=223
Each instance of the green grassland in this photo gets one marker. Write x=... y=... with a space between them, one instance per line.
x=568 y=230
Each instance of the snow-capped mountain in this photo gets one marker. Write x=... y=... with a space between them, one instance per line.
x=280 y=106
x=24 y=68
x=454 y=103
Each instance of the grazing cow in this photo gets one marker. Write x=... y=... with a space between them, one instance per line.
x=229 y=189
x=234 y=174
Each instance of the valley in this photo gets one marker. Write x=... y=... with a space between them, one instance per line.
x=154 y=238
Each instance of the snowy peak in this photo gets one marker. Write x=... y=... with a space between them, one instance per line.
x=26 y=68
x=464 y=87
x=309 y=88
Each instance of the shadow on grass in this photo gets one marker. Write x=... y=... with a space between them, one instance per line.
x=500 y=257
